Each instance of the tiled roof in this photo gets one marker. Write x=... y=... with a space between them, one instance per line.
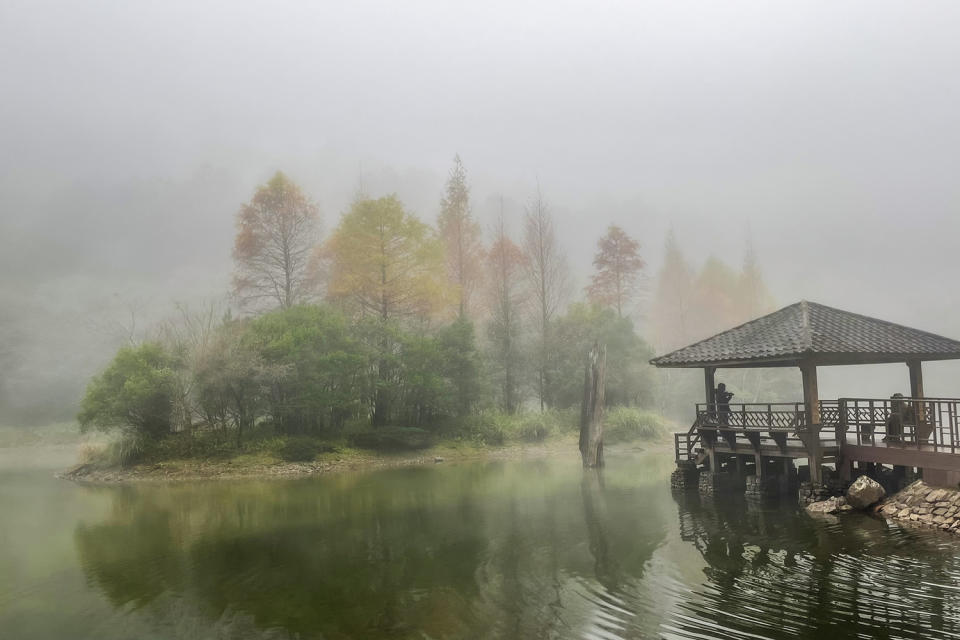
x=807 y=329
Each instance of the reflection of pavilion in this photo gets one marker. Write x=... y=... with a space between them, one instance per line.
x=912 y=432
x=779 y=573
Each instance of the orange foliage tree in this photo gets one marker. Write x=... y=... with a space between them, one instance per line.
x=277 y=232
x=618 y=267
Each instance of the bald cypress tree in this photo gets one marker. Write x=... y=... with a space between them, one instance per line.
x=461 y=238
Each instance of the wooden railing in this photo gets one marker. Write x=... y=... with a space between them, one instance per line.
x=762 y=416
x=683 y=445
x=776 y=421
x=922 y=423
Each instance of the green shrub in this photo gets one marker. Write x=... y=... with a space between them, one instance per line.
x=301 y=449
x=626 y=424
x=492 y=429
x=537 y=427
x=391 y=439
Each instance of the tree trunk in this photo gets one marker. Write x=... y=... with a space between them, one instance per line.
x=591 y=413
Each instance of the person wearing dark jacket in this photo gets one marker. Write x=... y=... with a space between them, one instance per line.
x=723 y=404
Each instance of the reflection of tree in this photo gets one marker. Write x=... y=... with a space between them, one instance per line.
x=132 y=562
x=776 y=572
x=500 y=550
x=595 y=516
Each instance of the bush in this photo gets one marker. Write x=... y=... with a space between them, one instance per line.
x=391 y=439
x=491 y=428
x=626 y=424
x=300 y=449
x=537 y=427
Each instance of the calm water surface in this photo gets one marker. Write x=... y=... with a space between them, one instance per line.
x=520 y=549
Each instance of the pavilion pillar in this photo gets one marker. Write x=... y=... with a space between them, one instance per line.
x=811 y=403
x=922 y=431
x=709 y=377
x=916 y=378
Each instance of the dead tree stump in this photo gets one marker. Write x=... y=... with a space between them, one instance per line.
x=591 y=412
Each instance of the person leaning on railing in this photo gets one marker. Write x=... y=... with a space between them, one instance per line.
x=900 y=413
x=723 y=404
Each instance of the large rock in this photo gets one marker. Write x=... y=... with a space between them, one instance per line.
x=835 y=504
x=864 y=492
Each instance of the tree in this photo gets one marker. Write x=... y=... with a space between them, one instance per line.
x=629 y=378
x=461 y=237
x=505 y=327
x=547 y=274
x=134 y=394
x=461 y=364
x=233 y=381
x=276 y=235
x=673 y=322
x=673 y=300
x=325 y=364
x=385 y=262
x=715 y=294
x=753 y=297
x=618 y=268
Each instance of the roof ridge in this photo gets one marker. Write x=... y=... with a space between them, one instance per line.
x=789 y=333
x=807 y=325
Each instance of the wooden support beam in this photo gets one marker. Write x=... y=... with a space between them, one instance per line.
x=916 y=378
x=709 y=377
x=780 y=438
x=811 y=401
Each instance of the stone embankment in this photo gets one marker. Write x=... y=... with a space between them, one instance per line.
x=861 y=494
x=922 y=505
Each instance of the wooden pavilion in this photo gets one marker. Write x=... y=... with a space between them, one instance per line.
x=904 y=431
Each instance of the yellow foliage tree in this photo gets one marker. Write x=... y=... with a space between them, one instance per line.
x=383 y=261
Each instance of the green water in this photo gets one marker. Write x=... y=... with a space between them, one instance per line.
x=519 y=549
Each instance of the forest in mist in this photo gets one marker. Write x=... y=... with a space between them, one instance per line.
x=130 y=137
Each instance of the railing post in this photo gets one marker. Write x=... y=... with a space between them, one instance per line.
x=841 y=422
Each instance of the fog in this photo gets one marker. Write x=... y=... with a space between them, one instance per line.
x=130 y=133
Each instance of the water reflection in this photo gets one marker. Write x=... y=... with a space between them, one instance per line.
x=775 y=572
x=503 y=550
x=490 y=550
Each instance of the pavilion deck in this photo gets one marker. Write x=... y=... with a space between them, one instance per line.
x=882 y=431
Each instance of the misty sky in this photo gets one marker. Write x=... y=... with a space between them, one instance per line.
x=130 y=132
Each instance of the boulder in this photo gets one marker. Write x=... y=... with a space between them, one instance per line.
x=835 y=504
x=864 y=492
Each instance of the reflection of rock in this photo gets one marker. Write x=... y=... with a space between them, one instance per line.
x=836 y=504
x=864 y=492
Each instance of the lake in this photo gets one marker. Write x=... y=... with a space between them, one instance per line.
x=498 y=549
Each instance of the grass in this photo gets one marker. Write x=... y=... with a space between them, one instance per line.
x=628 y=424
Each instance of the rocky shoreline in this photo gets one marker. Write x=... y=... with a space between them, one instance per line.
x=231 y=469
x=922 y=505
